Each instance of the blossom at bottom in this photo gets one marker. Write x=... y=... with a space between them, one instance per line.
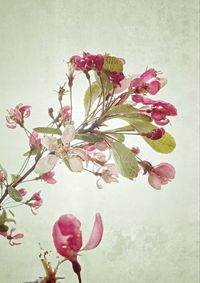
x=67 y=236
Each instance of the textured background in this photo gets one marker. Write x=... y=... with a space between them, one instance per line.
x=150 y=236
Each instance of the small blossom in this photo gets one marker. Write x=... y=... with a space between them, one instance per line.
x=22 y=192
x=160 y=175
x=64 y=114
x=155 y=134
x=35 y=140
x=157 y=110
x=10 y=237
x=49 y=142
x=109 y=175
x=16 y=115
x=48 y=177
x=88 y=62
x=148 y=82
x=116 y=78
x=35 y=201
x=135 y=150
x=67 y=236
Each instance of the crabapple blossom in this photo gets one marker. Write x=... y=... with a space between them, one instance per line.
x=16 y=115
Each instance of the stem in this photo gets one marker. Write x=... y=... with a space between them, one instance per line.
x=21 y=179
x=70 y=95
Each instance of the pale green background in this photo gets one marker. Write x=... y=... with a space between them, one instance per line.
x=150 y=236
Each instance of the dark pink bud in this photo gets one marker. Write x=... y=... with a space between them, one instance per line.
x=156 y=134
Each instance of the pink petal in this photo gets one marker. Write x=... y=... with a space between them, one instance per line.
x=125 y=83
x=46 y=164
x=149 y=74
x=154 y=181
x=96 y=235
x=166 y=170
x=154 y=87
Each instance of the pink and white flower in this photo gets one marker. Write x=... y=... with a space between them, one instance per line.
x=48 y=177
x=160 y=175
x=16 y=115
x=148 y=82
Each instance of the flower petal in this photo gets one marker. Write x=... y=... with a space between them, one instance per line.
x=46 y=164
x=76 y=164
x=68 y=134
x=96 y=235
x=154 y=181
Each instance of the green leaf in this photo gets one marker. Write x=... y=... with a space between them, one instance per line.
x=128 y=128
x=119 y=137
x=66 y=161
x=112 y=64
x=14 y=194
x=125 y=160
x=3 y=217
x=103 y=80
x=4 y=228
x=95 y=92
x=87 y=137
x=122 y=109
x=47 y=130
x=166 y=144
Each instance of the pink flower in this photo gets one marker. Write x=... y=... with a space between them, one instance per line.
x=157 y=110
x=16 y=115
x=148 y=82
x=155 y=134
x=116 y=78
x=109 y=175
x=10 y=237
x=87 y=62
x=22 y=192
x=35 y=140
x=48 y=177
x=65 y=114
x=160 y=175
x=67 y=236
x=35 y=201
x=46 y=164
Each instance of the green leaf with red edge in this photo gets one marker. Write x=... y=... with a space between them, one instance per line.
x=112 y=64
x=125 y=160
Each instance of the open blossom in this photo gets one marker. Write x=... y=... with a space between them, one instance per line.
x=108 y=175
x=11 y=238
x=67 y=236
x=160 y=175
x=148 y=82
x=48 y=177
x=35 y=201
x=64 y=114
x=16 y=115
x=88 y=62
x=157 y=110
